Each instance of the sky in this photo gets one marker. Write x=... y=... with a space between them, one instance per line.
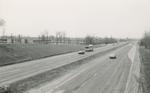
x=77 y=18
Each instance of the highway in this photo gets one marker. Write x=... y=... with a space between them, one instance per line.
x=12 y=73
x=100 y=75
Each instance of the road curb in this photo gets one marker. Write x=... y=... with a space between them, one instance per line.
x=132 y=85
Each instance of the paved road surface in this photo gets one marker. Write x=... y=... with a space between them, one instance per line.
x=15 y=72
x=101 y=75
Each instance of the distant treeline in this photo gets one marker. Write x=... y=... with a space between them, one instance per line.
x=145 y=41
x=97 y=40
x=58 y=38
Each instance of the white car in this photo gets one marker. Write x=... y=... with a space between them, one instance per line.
x=90 y=45
x=112 y=56
x=81 y=52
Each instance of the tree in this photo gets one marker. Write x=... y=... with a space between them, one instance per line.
x=19 y=39
x=12 y=38
x=44 y=38
x=89 y=40
x=109 y=40
x=2 y=23
x=60 y=37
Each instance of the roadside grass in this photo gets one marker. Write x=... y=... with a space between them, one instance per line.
x=38 y=80
x=145 y=69
x=17 y=53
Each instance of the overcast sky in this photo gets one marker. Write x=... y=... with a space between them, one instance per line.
x=78 y=18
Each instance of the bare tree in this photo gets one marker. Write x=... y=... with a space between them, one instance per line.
x=12 y=38
x=97 y=40
x=43 y=38
x=60 y=37
x=19 y=39
x=46 y=35
x=2 y=24
x=89 y=40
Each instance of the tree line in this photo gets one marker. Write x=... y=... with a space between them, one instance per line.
x=97 y=40
x=60 y=37
x=145 y=41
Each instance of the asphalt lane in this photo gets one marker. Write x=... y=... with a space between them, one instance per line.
x=12 y=73
x=100 y=75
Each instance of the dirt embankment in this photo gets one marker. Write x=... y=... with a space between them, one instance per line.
x=145 y=69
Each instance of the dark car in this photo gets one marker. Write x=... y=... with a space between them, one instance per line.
x=112 y=56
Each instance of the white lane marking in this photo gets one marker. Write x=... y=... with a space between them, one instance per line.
x=70 y=78
x=22 y=75
x=64 y=81
x=83 y=70
x=131 y=53
x=115 y=70
x=84 y=83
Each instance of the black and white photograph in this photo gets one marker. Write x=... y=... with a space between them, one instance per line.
x=74 y=46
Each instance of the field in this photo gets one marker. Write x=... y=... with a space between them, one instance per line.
x=16 y=53
x=145 y=69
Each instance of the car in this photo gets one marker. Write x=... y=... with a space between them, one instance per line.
x=90 y=45
x=112 y=56
x=89 y=48
x=81 y=52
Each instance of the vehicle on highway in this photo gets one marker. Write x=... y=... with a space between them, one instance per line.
x=81 y=52
x=89 y=48
x=112 y=56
